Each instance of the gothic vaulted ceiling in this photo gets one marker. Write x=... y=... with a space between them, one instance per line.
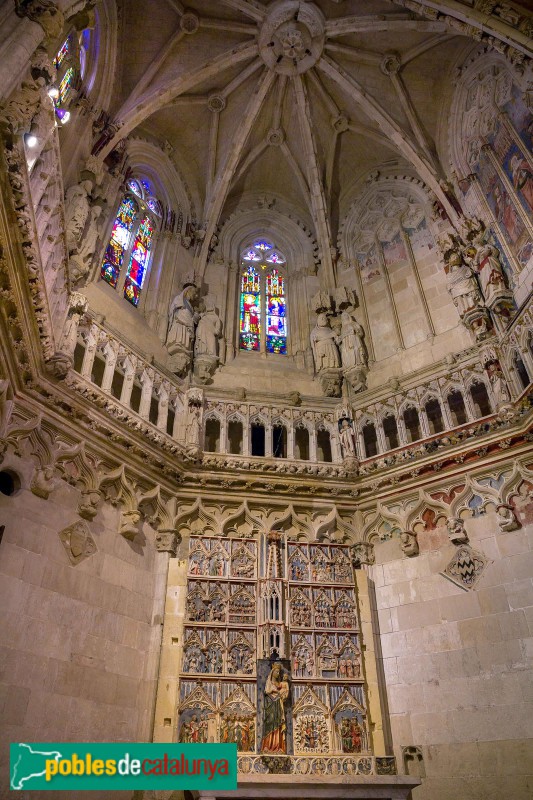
x=285 y=98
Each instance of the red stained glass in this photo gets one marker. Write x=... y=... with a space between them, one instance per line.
x=250 y=310
x=114 y=254
x=138 y=261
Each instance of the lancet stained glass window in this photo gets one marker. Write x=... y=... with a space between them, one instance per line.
x=132 y=241
x=250 y=318
x=263 y=319
x=276 y=336
x=120 y=236
x=138 y=261
x=62 y=53
x=65 y=86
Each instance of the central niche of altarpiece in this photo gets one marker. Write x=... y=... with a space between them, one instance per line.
x=272 y=653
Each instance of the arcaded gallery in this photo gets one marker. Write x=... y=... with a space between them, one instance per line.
x=266 y=369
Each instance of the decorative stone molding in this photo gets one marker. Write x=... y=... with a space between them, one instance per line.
x=216 y=103
x=189 y=22
x=292 y=37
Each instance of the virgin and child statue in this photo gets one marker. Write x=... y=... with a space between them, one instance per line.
x=274 y=720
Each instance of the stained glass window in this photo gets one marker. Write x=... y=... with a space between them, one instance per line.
x=62 y=53
x=155 y=206
x=114 y=254
x=138 y=261
x=250 y=311
x=135 y=187
x=276 y=333
x=263 y=317
x=65 y=86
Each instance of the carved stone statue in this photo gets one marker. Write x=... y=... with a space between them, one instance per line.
x=462 y=285
x=76 y=212
x=80 y=260
x=353 y=351
x=507 y=520
x=324 y=344
x=499 y=385
x=208 y=331
x=182 y=318
x=347 y=438
x=409 y=543
x=456 y=530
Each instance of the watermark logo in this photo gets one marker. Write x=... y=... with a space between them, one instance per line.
x=120 y=766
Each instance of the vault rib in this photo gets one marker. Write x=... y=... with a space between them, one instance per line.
x=251 y=8
x=389 y=127
x=134 y=112
x=225 y=175
x=355 y=53
x=357 y=24
x=228 y=25
x=318 y=199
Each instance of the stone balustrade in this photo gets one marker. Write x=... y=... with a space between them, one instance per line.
x=283 y=437
x=145 y=390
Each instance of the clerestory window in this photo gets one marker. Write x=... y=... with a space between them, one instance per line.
x=263 y=310
x=132 y=239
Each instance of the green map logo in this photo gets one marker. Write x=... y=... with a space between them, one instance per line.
x=123 y=766
x=27 y=763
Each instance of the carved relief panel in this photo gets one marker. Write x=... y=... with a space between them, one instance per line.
x=272 y=653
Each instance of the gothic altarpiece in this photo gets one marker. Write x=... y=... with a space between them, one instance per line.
x=272 y=654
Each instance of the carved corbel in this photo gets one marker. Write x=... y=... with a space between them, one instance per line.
x=44 y=449
x=362 y=554
x=160 y=514
x=456 y=530
x=409 y=543
x=118 y=490
x=82 y=471
x=46 y=13
x=507 y=520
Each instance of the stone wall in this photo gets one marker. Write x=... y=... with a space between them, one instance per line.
x=79 y=645
x=458 y=664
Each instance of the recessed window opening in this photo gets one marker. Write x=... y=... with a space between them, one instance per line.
x=279 y=441
x=258 y=439
x=434 y=415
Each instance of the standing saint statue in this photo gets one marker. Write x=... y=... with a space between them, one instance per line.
x=347 y=438
x=353 y=353
x=324 y=344
x=274 y=722
x=182 y=318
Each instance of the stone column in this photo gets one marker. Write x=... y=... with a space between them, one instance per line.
x=90 y=351
x=130 y=366
x=165 y=718
x=147 y=382
x=111 y=354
